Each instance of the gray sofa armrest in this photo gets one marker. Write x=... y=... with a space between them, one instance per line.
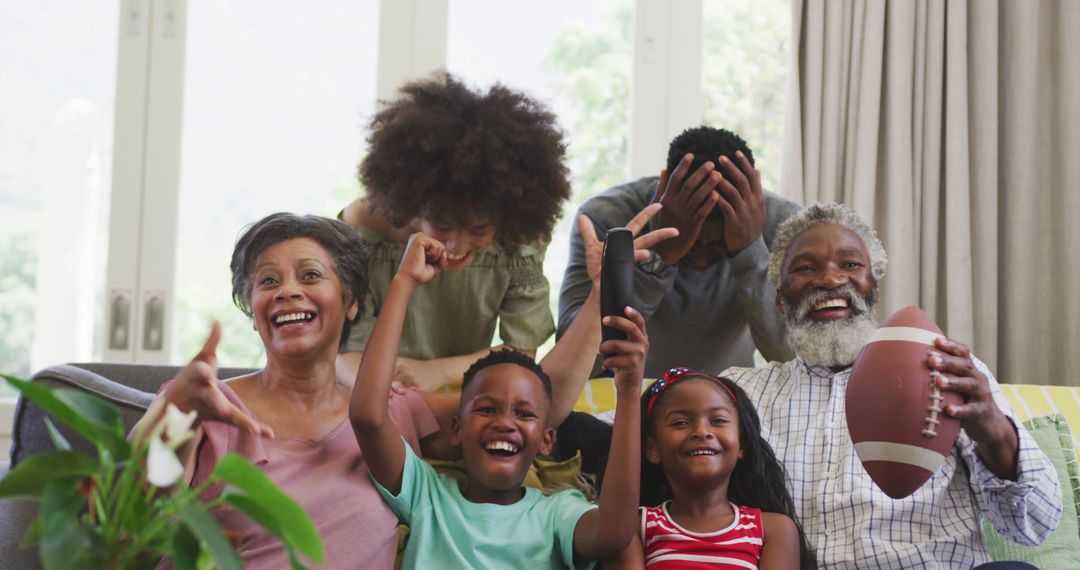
x=129 y=387
x=29 y=434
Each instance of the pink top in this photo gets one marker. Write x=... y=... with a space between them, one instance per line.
x=329 y=478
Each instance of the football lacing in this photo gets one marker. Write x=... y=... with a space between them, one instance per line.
x=935 y=408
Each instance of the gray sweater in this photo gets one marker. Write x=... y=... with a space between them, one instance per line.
x=706 y=320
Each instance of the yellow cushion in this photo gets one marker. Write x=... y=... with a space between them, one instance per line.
x=1030 y=400
x=599 y=396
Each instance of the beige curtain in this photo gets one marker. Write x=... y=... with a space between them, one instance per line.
x=955 y=127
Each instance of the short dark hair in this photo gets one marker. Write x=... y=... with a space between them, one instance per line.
x=443 y=151
x=706 y=144
x=758 y=480
x=507 y=356
x=340 y=241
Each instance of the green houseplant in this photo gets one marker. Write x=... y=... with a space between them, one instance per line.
x=124 y=508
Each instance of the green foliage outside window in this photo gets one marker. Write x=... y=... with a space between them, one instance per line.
x=744 y=68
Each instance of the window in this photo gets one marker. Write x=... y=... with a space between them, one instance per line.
x=744 y=67
x=275 y=105
x=56 y=136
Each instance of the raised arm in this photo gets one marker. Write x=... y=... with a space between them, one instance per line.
x=571 y=361
x=427 y=375
x=606 y=531
x=631 y=558
x=746 y=214
x=378 y=436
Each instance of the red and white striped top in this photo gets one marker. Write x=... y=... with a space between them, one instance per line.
x=668 y=545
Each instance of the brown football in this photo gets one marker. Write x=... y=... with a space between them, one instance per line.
x=895 y=414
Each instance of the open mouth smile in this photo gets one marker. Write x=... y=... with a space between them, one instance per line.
x=703 y=452
x=456 y=259
x=294 y=317
x=833 y=304
x=831 y=308
x=502 y=448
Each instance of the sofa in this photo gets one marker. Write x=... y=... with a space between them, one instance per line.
x=1049 y=410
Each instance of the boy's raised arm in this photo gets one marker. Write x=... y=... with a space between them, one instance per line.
x=379 y=438
x=604 y=532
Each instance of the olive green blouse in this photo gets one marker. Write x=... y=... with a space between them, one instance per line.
x=456 y=313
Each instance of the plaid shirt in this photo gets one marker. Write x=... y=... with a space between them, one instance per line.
x=850 y=523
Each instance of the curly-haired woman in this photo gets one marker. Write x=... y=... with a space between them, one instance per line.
x=483 y=173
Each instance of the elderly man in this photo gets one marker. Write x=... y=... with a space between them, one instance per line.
x=825 y=264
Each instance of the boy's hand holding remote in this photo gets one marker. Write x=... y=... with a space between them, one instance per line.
x=603 y=532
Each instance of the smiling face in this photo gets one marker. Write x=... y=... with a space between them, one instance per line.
x=821 y=260
x=462 y=240
x=828 y=295
x=297 y=300
x=501 y=426
x=694 y=434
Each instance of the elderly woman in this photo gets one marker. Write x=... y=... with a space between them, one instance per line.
x=301 y=279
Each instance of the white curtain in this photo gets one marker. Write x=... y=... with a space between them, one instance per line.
x=955 y=127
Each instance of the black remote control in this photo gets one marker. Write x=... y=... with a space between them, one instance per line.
x=616 y=278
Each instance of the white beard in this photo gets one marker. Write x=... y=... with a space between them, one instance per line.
x=832 y=344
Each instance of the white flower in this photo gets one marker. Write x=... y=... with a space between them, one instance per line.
x=177 y=426
x=162 y=466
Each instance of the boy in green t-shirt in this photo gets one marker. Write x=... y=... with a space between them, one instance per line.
x=491 y=520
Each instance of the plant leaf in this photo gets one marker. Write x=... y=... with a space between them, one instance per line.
x=86 y=414
x=33 y=532
x=68 y=547
x=61 y=505
x=102 y=416
x=66 y=543
x=137 y=512
x=57 y=438
x=202 y=525
x=30 y=477
x=205 y=561
x=185 y=549
x=268 y=520
x=297 y=528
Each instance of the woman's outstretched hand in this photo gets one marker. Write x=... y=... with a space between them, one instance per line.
x=197 y=387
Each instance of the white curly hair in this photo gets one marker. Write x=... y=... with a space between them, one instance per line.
x=825 y=213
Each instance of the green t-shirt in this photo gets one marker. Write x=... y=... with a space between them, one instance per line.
x=456 y=313
x=448 y=531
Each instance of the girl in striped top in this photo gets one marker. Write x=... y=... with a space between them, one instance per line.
x=713 y=492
